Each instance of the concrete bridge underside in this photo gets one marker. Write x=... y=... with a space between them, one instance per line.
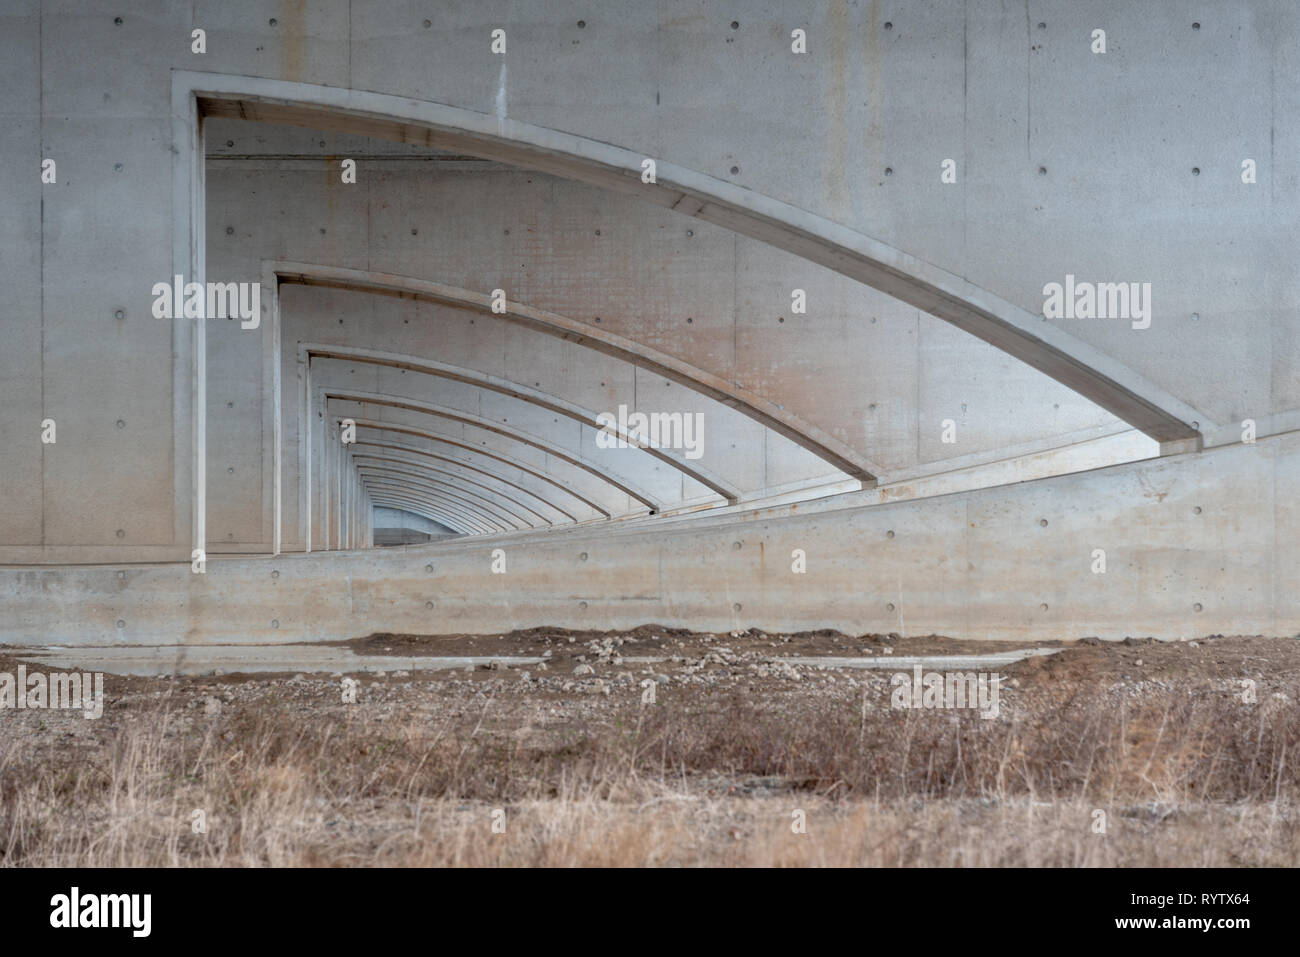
x=470 y=286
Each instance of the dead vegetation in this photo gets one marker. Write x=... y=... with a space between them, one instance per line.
x=1176 y=772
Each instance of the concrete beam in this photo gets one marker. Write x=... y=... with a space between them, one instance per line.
x=836 y=453
x=1189 y=556
x=1098 y=377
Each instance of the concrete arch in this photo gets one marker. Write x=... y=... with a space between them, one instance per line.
x=667 y=486
x=838 y=454
x=474 y=525
x=454 y=442
x=403 y=519
x=394 y=494
x=400 y=506
x=479 y=505
x=453 y=520
x=467 y=500
x=425 y=453
x=479 y=422
x=371 y=454
x=425 y=511
x=422 y=508
x=1096 y=376
x=551 y=403
x=402 y=514
x=360 y=459
x=482 y=519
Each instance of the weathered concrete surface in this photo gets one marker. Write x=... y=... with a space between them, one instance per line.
x=777 y=171
x=977 y=82
x=1195 y=544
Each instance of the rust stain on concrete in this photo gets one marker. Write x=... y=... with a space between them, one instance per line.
x=1149 y=490
x=294 y=26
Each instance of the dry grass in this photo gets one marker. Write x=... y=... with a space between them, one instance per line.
x=1182 y=779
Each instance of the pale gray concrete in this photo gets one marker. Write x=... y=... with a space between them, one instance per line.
x=1187 y=555
x=923 y=379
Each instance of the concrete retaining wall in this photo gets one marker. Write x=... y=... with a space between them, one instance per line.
x=1194 y=545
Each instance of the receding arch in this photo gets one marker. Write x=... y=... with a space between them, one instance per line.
x=397 y=518
x=453 y=441
x=455 y=493
x=1095 y=375
x=420 y=492
x=437 y=515
x=460 y=483
x=425 y=453
x=466 y=525
x=485 y=519
x=427 y=509
x=839 y=455
x=477 y=524
x=706 y=477
x=488 y=425
x=463 y=497
x=1091 y=373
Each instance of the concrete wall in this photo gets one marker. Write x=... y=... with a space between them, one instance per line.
x=876 y=374
x=1122 y=166
x=1194 y=545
